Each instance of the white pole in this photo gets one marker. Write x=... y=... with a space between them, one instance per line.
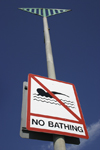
x=58 y=140
x=49 y=56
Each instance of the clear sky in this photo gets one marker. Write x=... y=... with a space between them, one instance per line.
x=75 y=39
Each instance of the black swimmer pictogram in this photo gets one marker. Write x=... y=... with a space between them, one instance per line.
x=46 y=94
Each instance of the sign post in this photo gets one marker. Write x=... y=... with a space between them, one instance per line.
x=49 y=56
x=59 y=141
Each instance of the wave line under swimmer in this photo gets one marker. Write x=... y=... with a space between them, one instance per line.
x=45 y=99
x=46 y=94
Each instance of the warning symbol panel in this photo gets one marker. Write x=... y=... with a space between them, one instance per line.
x=53 y=107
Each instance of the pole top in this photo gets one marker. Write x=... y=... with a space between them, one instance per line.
x=45 y=12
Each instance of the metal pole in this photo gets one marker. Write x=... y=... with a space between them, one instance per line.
x=49 y=56
x=58 y=140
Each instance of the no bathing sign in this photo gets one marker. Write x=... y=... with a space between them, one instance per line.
x=53 y=107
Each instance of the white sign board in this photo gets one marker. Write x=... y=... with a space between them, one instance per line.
x=53 y=107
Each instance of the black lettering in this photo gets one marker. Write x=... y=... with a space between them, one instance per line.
x=41 y=122
x=61 y=125
x=74 y=128
x=80 y=129
x=66 y=126
x=70 y=127
x=36 y=122
x=50 y=124
x=57 y=125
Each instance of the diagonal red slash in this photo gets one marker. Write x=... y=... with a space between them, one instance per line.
x=66 y=107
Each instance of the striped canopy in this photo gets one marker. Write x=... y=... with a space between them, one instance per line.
x=45 y=12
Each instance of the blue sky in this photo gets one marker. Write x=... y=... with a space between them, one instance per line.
x=76 y=51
